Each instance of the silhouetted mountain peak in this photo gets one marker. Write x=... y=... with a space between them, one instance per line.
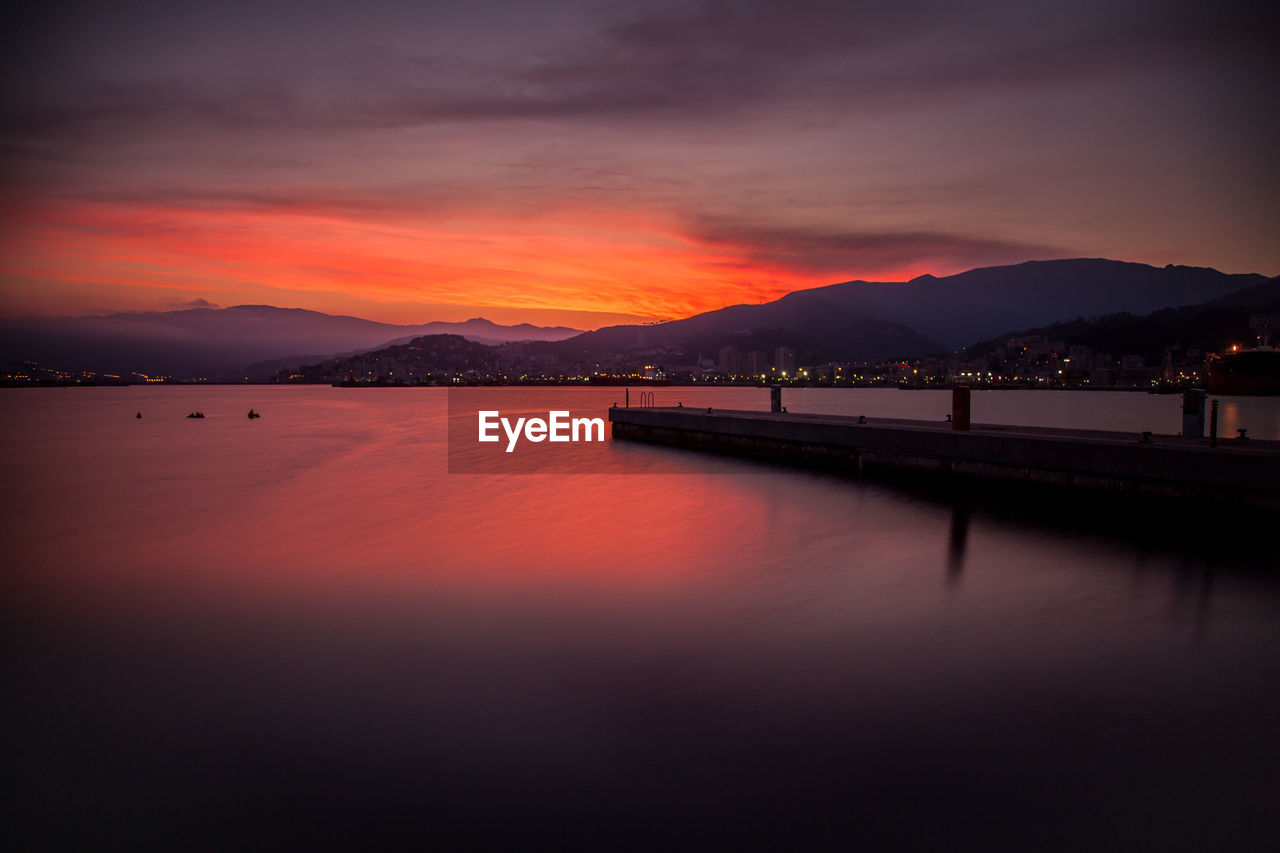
x=870 y=320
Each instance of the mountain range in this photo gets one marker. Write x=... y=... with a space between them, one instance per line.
x=225 y=343
x=849 y=321
x=872 y=321
x=1212 y=326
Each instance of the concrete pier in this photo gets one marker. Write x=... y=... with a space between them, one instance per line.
x=1235 y=471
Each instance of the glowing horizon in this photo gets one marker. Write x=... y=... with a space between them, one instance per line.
x=567 y=266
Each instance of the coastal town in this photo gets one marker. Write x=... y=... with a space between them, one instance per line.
x=1030 y=361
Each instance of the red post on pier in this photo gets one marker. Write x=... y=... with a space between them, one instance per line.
x=960 y=407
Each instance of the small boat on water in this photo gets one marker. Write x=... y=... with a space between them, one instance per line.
x=196 y=415
x=253 y=414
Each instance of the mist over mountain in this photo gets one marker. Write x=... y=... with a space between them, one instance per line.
x=220 y=342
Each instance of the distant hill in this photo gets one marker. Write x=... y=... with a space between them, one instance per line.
x=851 y=321
x=876 y=320
x=410 y=363
x=1212 y=326
x=819 y=328
x=220 y=342
x=981 y=302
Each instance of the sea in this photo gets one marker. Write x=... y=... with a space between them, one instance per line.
x=303 y=630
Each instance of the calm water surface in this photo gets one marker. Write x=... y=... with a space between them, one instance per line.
x=303 y=629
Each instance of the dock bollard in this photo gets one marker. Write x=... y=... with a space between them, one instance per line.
x=1193 y=412
x=960 y=407
x=1213 y=424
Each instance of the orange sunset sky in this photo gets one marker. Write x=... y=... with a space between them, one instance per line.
x=587 y=163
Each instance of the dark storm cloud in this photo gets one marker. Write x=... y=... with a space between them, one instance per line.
x=833 y=139
x=836 y=252
x=696 y=62
x=198 y=302
x=364 y=205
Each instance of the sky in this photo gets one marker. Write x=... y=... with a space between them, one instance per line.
x=584 y=163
